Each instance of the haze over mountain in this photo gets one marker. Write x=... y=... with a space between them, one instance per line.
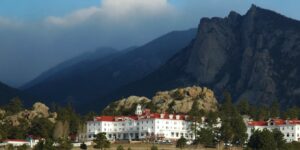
x=70 y=65
x=7 y=93
x=88 y=80
x=255 y=56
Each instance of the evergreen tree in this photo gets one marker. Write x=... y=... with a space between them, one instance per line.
x=262 y=140
x=181 y=143
x=275 y=109
x=206 y=137
x=44 y=145
x=233 y=129
x=279 y=139
x=41 y=127
x=292 y=113
x=239 y=128
x=14 y=106
x=101 y=141
x=268 y=140
x=243 y=107
x=262 y=113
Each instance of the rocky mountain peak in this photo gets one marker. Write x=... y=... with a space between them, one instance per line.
x=254 y=56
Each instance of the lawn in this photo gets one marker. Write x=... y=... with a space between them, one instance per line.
x=144 y=146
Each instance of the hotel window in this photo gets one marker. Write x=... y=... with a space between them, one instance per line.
x=292 y=134
x=287 y=135
x=172 y=133
x=177 y=134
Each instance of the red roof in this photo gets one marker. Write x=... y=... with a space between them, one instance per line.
x=257 y=123
x=274 y=121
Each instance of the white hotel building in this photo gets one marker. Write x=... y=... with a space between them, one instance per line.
x=289 y=128
x=141 y=126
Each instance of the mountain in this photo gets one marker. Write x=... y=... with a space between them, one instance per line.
x=7 y=93
x=255 y=56
x=70 y=64
x=88 y=80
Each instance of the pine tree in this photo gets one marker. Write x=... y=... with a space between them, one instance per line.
x=279 y=139
x=101 y=141
x=275 y=109
x=243 y=107
x=206 y=137
x=262 y=140
x=181 y=143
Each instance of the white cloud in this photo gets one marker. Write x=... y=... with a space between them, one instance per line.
x=6 y=22
x=115 y=10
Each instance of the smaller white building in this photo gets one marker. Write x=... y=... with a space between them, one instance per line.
x=17 y=142
x=143 y=125
x=289 y=128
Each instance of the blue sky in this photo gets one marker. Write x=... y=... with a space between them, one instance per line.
x=36 y=35
x=37 y=9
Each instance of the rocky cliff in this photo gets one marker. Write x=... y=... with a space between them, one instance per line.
x=39 y=110
x=180 y=100
x=255 y=56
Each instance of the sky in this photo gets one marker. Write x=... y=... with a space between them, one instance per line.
x=36 y=35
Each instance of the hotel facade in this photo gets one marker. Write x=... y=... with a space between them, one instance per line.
x=289 y=128
x=144 y=125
